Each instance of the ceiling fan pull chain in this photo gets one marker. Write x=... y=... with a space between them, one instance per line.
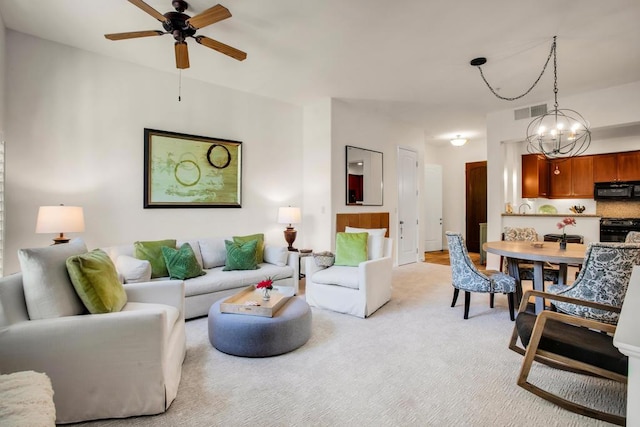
x=179 y=85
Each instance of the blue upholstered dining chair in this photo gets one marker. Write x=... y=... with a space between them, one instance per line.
x=604 y=278
x=632 y=237
x=525 y=269
x=468 y=278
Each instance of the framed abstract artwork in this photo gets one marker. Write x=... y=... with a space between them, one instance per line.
x=189 y=171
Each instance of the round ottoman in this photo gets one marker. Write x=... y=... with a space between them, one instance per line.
x=257 y=336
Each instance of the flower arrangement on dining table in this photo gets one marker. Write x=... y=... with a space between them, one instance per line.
x=563 y=224
x=266 y=286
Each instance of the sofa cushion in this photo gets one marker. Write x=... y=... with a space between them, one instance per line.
x=48 y=291
x=241 y=256
x=259 y=245
x=214 y=252
x=182 y=263
x=95 y=280
x=338 y=275
x=133 y=270
x=196 y=249
x=276 y=255
x=351 y=248
x=218 y=280
x=375 y=240
x=152 y=252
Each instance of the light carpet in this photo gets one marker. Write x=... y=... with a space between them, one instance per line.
x=415 y=362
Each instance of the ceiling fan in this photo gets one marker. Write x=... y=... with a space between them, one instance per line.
x=181 y=26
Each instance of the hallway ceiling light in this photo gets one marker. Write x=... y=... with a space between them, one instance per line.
x=458 y=141
x=560 y=133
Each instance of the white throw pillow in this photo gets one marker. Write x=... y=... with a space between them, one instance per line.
x=133 y=270
x=214 y=252
x=276 y=255
x=48 y=290
x=375 y=241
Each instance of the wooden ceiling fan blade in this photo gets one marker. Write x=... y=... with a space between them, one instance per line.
x=210 y=16
x=182 y=55
x=221 y=47
x=133 y=35
x=151 y=11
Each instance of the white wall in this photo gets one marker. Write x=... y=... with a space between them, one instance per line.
x=74 y=135
x=606 y=110
x=453 y=161
x=365 y=129
x=2 y=130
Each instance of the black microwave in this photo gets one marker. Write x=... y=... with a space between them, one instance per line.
x=616 y=190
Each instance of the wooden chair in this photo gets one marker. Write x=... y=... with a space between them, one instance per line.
x=568 y=342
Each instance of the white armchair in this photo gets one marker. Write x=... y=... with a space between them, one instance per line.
x=110 y=365
x=358 y=291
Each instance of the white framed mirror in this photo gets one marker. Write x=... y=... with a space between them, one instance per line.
x=364 y=182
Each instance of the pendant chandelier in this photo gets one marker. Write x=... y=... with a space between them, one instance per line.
x=559 y=133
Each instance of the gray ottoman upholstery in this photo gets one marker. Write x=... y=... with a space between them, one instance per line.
x=257 y=336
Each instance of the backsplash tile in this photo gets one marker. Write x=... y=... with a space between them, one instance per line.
x=616 y=209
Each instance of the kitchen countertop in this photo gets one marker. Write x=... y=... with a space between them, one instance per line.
x=563 y=215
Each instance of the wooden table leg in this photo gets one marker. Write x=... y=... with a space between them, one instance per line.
x=514 y=271
x=538 y=283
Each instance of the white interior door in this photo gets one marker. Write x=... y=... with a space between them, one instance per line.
x=407 y=206
x=433 y=208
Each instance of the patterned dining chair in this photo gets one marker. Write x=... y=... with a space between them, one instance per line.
x=632 y=237
x=468 y=278
x=603 y=279
x=525 y=269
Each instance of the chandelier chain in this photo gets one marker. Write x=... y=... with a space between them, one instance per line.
x=544 y=68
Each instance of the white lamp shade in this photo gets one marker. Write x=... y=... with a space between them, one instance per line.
x=458 y=142
x=60 y=219
x=289 y=215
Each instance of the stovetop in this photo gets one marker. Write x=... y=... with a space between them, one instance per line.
x=620 y=222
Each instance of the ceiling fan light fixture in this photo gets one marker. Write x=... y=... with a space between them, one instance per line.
x=458 y=141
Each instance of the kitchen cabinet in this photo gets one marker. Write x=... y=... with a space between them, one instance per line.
x=629 y=166
x=616 y=167
x=582 y=177
x=560 y=179
x=535 y=176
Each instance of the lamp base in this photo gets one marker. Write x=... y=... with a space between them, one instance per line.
x=290 y=236
x=61 y=239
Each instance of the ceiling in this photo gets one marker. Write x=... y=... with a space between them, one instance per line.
x=408 y=59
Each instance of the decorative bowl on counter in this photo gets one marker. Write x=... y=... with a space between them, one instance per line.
x=547 y=209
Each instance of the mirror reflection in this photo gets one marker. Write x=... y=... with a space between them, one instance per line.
x=364 y=177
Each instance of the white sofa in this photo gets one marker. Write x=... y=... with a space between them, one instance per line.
x=201 y=292
x=111 y=365
x=358 y=291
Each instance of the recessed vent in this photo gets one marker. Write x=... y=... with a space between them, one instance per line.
x=525 y=113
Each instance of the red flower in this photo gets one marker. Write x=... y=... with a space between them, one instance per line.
x=265 y=284
x=565 y=222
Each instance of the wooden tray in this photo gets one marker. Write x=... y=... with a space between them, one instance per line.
x=236 y=303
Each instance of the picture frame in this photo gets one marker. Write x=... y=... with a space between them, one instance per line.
x=190 y=171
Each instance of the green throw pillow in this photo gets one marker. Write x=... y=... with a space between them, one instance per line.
x=152 y=252
x=181 y=263
x=259 y=246
x=96 y=282
x=351 y=248
x=241 y=256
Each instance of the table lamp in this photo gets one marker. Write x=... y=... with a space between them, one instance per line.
x=289 y=215
x=60 y=219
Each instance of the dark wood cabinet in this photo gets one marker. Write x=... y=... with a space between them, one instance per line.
x=582 y=177
x=560 y=179
x=573 y=178
x=629 y=166
x=616 y=167
x=605 y=167
x=535 y=176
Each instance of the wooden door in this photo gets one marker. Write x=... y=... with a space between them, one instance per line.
x=560 y=178
x=605 y=167
x=582 y=177
x=629 y=166
x=476 y=203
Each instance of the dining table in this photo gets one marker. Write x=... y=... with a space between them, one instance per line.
x=537 y=253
